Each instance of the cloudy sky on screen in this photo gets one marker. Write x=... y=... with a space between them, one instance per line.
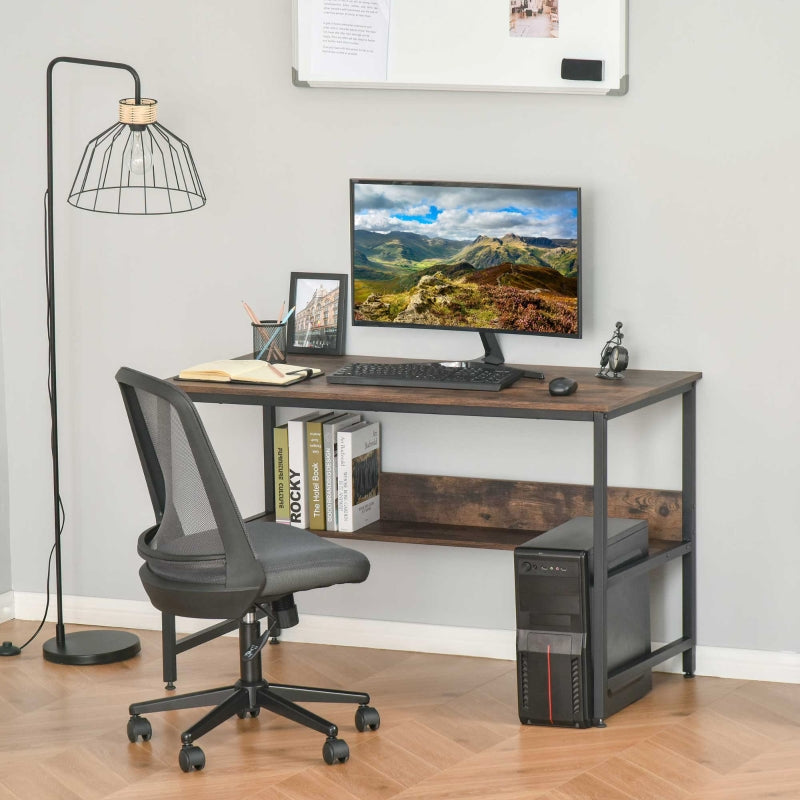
x=465 y=212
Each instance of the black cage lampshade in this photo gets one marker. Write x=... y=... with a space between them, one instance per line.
x=137 y=166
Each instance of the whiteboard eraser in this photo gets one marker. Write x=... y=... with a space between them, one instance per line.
x=581 y=69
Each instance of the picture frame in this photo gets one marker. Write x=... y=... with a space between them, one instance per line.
x=318 y=322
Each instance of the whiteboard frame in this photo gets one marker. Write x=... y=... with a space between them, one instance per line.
x=611 y=86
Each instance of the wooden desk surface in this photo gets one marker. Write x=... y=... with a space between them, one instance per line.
x=480 y=512
x=526 y=398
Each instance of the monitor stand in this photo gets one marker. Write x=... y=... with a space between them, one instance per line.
x=492 y=353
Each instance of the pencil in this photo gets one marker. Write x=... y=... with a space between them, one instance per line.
x=253 y=318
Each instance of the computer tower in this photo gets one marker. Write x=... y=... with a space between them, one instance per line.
x=553 y=595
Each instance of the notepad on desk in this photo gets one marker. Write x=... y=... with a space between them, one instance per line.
x=248 y=371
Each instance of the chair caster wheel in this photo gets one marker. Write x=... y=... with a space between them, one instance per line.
x=335 y=750
x=248 y=712
x=139 y=726
x=191 y=757
x=367 y=717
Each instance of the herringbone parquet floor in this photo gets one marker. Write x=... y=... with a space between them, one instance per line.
x=449 y=730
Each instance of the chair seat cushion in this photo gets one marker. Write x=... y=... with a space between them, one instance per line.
x=293 y=559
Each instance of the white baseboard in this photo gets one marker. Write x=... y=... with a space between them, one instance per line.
x=411 y=636
x=313 y=628
x=720 y=662
x=731 y=662
x=6 y=606
x=89 y=611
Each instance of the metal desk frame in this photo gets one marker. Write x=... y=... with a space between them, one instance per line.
x=596 y=402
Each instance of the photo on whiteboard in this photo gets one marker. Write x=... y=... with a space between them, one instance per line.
x=535 y=19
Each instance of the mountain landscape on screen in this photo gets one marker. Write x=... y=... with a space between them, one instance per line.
x=475 y=257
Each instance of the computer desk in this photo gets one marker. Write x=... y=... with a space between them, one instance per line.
x=487 y=513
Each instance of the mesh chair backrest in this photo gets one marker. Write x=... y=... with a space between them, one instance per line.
x=191 y=498
x=187 y=509
x=198 y=559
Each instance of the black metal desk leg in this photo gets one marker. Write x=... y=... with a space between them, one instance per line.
x=599 y=570
x=268 y=422
x=689 y=522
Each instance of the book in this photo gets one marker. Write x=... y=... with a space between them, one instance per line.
x=358 y=479
x=280 y=447
x=298 y=468
x=298 y=501
x=329 y=450
x=314 y=471
x=235 y=370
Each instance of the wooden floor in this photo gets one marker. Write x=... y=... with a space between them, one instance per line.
x=449 y=730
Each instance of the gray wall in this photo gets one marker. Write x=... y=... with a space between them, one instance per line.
x=690 y=206
x=5 y=533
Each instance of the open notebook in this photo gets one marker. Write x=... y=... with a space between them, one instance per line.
x=248 y=371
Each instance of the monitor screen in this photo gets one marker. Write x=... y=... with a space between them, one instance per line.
x=479 y=257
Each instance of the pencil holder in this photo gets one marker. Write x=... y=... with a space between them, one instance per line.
x=269 y=340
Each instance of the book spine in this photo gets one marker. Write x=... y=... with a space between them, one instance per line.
x=344 y=442
x=281 y=467
x=365 y=473
x=329 y=450
x=329 y=471
x=316 y=484
x=298 y=498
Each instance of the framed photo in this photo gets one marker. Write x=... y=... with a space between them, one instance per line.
x=318 y=322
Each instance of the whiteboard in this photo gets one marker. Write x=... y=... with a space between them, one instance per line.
x=483 y=45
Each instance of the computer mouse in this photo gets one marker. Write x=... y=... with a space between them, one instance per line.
x=562 y=386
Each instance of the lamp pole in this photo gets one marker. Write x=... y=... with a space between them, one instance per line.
x=83 y=647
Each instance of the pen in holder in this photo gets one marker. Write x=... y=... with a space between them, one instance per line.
x=269 y=340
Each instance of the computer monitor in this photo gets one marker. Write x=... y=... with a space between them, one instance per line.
x=491 y=258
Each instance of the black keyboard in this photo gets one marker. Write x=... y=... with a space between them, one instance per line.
x=428 y=375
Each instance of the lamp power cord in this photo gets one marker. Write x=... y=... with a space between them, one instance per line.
x=7 y=648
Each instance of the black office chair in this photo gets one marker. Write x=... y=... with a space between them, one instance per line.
x=202 y=560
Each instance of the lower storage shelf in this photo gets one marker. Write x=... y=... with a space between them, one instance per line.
x=467 y=536
x=444 y=535
x=502 y=514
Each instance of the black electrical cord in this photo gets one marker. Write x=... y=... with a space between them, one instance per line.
x=62 y=516
x=47 y=603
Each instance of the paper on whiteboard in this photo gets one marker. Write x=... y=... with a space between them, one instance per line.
x=350 y=39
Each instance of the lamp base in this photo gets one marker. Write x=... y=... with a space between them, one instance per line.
x=84 y=648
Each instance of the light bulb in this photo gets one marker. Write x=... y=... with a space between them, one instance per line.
x=140 y=160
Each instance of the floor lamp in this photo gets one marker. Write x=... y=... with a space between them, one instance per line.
x=136 y=166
